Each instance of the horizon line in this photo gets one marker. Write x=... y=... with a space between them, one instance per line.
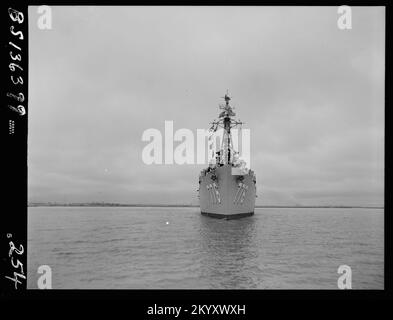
x=115 y=204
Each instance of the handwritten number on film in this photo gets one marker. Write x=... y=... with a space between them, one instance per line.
x=15 y=54
x=15 y=58
x=17 y=265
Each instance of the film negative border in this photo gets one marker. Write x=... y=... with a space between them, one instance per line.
x=14 y=112
x=13 y=224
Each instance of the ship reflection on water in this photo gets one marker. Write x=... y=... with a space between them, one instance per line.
x=231 y=256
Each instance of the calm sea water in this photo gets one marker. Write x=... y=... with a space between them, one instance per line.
x=130 y=248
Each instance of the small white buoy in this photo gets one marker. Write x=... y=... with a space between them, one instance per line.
x=167 y=222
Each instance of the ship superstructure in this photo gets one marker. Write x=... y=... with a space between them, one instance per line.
x=227 y=188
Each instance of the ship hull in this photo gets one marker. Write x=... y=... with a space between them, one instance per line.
x=225 y=195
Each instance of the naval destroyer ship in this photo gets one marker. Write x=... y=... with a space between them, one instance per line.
x=227 y=189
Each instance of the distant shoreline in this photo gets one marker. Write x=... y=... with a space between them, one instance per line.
x=184 y=205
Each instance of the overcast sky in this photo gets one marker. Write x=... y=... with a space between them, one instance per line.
x=311 y=94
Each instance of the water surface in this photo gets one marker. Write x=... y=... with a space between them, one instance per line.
x=165 y=248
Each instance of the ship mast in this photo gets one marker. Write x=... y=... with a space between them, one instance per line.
x=227 y=139
x=226 y=122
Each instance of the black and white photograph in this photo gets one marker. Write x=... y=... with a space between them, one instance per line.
x=205 y=147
